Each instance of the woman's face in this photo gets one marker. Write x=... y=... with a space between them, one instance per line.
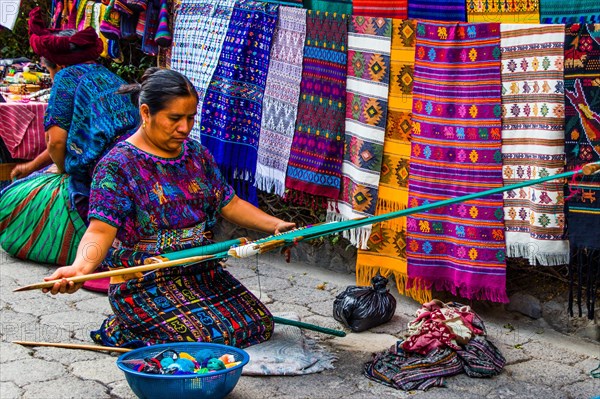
x=170 y=127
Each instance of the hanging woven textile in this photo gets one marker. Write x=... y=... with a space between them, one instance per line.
x=522 y=12
x=533 y=141
x=232 y=110
x=330 y=6
x=582 y=145
x=439 y=10
x=387 y=243
x=280 y=103
x=381 y=8
x=200 y=29
x=569 y=12
x=315 y=165
x=456 y=150
x=369 y=41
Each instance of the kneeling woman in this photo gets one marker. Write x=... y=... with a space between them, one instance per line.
x=159 y=192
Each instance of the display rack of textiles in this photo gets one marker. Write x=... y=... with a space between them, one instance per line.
x=331 y=123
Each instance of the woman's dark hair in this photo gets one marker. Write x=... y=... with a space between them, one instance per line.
x=158 y=87
x=49 y=64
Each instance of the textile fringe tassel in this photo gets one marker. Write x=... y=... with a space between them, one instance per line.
x=528 y=251
x=386 y=206
x=481 y=294
x=359 y=237
x=270 y=185
x=585 y=262
x=315 y=202
x=365 y=273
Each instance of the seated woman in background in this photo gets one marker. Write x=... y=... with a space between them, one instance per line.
x=43 y=215
x=159 y=192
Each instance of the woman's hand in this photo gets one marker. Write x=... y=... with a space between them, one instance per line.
x=283 y=226
x=22 y=170
x=64 y=286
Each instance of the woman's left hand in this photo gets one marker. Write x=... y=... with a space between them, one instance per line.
x=283 y=226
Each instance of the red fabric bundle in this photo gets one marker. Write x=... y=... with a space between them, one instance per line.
x=58 y=49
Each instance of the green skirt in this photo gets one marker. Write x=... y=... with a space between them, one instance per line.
x=37 y=222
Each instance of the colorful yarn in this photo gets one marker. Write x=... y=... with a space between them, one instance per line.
x=163 y=35
x=387 y=243
x=280 y=103
x=456 y=150
x=232 y=109
x=381 y=8
x=369 y=42
x=533 y=141
x=316 y=156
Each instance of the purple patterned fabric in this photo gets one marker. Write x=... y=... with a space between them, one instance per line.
x=456 y=150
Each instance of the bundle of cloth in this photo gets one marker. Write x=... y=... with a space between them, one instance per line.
x=444 y=339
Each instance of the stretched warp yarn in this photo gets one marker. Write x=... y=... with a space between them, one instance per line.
x=533 y=141
x=504 y=11
x=456 y=150
x=232 y=110
x=198 y=34
x=280 y=103
x=582 y=145
x=386 y=252
x=369 y=41
x=438 y=10
x=381 y=8
x=315 y=165
x=569 y=12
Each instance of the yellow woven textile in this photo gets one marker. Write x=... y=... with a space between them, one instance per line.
x=520 y=12
x=387 y=244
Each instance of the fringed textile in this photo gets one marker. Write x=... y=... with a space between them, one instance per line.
x=522 y=12
x=569 y=12
x=381 y=8
x=455 y=151
x=330 y=6
x=439 y=10
x=280 y=103
x=315 y=165
x=533 y=141
x=232 y=110
x=369 y=42
x=198 y=35
x=582 y=145
x=387 y=243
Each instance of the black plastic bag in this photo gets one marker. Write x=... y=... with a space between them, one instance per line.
x=361 y=308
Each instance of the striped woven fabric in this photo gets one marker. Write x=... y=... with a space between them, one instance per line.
x=582 y=132
x=387 y=243
x=504 y=11
x=533 y=141
x=438 y=10
x=198 y=35
x=46 y=234
x=22 y=128
x=315 y=165
x=232 y=110
x=381 y=8
x=280 y=104
x=369 y=43
x=332 y=6
x=456 y=150
x=569 y=12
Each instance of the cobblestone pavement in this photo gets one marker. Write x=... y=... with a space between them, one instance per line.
x=542 y=363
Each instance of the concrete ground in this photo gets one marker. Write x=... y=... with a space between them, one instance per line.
x=541 y=363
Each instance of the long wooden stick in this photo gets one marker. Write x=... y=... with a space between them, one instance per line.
x=117 y=272
x=97 y=348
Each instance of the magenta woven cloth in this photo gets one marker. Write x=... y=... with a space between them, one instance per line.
x=22 y=128
x=455 y=151
x=315 y=165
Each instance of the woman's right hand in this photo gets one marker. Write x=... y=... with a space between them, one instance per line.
x=64 y=286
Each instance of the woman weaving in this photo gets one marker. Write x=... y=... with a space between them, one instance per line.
x=43 y=215
x=158 y=192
